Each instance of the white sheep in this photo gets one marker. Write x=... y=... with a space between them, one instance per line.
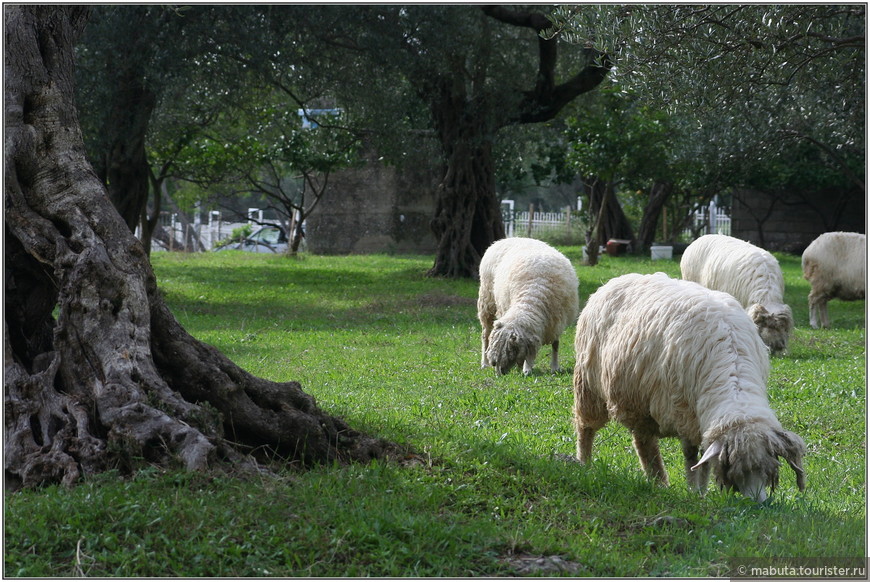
x=528 y=296
x=750 y=274
x=670 y=358
x=835 y=265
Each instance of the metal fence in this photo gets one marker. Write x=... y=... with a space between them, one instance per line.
x=181 y=234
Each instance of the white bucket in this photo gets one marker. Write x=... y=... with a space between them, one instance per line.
x=662 y=253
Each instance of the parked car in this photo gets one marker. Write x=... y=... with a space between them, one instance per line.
x=267 y=239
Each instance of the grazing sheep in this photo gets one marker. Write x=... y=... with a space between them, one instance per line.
x=752 y=275
x=528 y=296
x=670 y=358
x=835 y=266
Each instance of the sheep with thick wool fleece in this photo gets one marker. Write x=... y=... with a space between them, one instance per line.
x=528 y=296
x=835 y=264
x=750 y=274
x=670 y=358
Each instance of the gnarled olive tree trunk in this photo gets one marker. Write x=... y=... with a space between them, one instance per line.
x=468 y=213
x=112 y=376
x=468 y=111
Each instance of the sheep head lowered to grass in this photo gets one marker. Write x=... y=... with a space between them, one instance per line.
x=670 y=358
x=745 y=458
x=750 y=274
x=528 y=296
x=509 y=347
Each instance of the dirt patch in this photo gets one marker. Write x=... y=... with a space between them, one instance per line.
x=531 y=565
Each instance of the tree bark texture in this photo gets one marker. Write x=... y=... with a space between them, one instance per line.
x=467 y=117
x=612 y=223
x=468 y=213
x=114 y=377
x=659 y=195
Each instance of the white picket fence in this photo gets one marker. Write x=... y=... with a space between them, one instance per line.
x=711 y=219
x=533 y=223
x=519 y=223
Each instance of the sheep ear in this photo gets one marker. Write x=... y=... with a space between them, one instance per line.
x=792 y=448
x=758 y=313
x=713 y=450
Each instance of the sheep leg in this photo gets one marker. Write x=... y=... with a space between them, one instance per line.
x=823 y=314
x=698 y=478
x=647 y=447
x=486 y=314
x=814 y=322
x=484 y=340
x=554 y=357
x=590 y=414
x=818 y=311
x=585 y=437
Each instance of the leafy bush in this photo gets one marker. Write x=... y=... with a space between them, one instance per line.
x=238 y=235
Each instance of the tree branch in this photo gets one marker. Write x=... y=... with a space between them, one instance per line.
x=546 y=100
x=844 y=167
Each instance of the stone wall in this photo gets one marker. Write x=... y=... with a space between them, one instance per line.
x=789 y=223
x=377 y=209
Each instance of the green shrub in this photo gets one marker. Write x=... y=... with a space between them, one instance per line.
x=238 y=235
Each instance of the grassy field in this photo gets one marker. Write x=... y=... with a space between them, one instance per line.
x=397 y=355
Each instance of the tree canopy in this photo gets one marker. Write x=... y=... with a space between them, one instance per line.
x=744 y=89
x=763 y=98
x=460 y=73
x=756 y=77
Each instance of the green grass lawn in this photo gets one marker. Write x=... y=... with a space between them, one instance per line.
x=397 y=354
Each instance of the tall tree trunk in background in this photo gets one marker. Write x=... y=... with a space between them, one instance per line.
x=114 y=377
x=468 y=114
x=150 y=219
x=613 y=223
x=593 y=234
x=127 y=171
x=468 y=213
x=122 y=161
x=659 y=195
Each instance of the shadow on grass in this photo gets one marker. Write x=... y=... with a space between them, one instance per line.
x=607 y=516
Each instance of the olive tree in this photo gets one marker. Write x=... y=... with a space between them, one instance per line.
x=97 y=371
x=766 y=98
x=757 y=78
x=464 y=73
